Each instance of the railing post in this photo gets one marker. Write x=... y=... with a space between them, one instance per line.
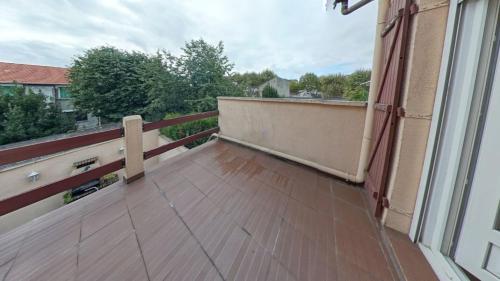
x=134 y=159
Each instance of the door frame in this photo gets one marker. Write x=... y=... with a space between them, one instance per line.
x=443 y=265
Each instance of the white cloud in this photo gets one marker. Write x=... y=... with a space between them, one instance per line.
x=288 y=36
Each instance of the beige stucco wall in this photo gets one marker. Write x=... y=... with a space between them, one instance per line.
x=324 y=133
x=424 y=60
x=13 y=180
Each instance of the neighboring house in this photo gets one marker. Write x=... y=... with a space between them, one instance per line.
x=49 y=81
x=280 y=84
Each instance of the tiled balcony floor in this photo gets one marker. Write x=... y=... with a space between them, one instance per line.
x=219 y=212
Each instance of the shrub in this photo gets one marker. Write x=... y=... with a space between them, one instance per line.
x=270 y=92
x=180 y=131
x=26 y=115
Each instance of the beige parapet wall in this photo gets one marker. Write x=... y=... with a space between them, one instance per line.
x=326 y=135
x=13 y=179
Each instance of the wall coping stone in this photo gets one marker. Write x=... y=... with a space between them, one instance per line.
x=298 y=101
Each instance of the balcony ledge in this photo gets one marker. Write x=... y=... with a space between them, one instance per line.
x=299 y=101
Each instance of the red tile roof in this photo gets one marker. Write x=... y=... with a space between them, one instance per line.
x=32 y=74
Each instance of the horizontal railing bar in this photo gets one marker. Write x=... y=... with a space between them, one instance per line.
x=24 y=199
x=178 y=120
x=16 y=154
x=183 y=141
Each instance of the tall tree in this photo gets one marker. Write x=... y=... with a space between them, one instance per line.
x=206 y=69
x=332 y=85
x=108 y=82
x=357 y=85
x=309 y=82
x=192 y=81
x=269 y=92
x=166 y=90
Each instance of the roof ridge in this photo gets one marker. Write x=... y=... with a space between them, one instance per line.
x=38 y=65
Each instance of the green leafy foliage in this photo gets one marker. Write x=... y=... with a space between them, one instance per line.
x=104 y=181
x=25 y=116
x=167 y=91
x=248 y=82
x=192 y=81
x=357 y=85
x=354 y=86
x=108 y=180
x=269 y=92
x=204 y=104
x=109 y=82
x=309 y=82
x=295 y=87
x=113 y=83
x=333 y=86
x=180 y=131
x=67 y=197
x=206 y=69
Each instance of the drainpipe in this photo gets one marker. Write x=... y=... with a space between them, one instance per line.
x=345 y=6
x=374 y=84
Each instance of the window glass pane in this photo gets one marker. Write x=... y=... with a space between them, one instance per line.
x=6 y=90
x=64 y=93
x=458 y=88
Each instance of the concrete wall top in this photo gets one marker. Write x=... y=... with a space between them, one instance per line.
x=299 y=101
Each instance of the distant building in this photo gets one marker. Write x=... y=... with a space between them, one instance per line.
x=49 y=81
x=280 y=84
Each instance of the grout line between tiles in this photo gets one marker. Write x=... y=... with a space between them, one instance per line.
x=190 y=232
x=138 y=243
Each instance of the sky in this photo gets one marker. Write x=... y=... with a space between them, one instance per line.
x=290 y=37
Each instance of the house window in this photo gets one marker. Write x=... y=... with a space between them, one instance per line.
x=7 y=90
x=64 y=93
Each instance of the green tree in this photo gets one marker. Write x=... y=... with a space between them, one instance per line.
x=109 y=82
x=295 y=86
x=332 y=85
x=269 y=92
x=309 y=82
x=206 y=70
x=202 y=105
x=357 y=85
x=15 y=127
x=190 y=82
x=165 y=89
x=248 y=82
x=27 y=116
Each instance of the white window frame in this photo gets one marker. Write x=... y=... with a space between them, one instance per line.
x=444 y=266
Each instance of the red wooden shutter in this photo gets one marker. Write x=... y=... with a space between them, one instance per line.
x=395 y=40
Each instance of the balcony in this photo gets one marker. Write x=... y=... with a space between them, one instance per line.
x=267 y=200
